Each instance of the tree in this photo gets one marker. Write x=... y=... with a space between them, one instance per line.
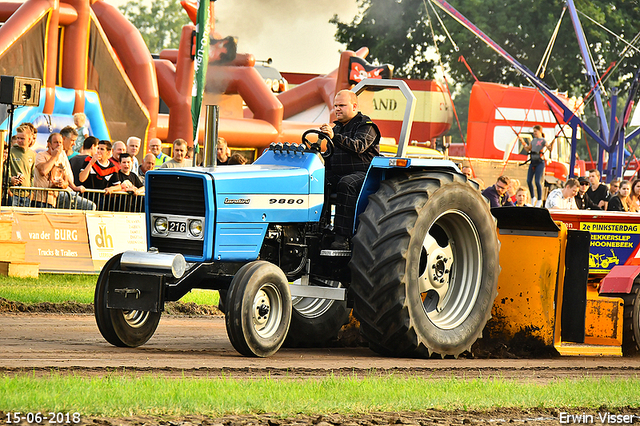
x=397 y=32
x=160 y=22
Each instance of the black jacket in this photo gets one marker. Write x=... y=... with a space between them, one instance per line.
x=584 y=202
x=356 y=143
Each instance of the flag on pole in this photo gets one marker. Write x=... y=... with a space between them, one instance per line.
x=201 y=60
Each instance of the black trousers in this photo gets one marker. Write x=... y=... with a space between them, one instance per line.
x=347 y=188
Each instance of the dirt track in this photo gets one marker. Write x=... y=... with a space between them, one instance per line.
x=71 y=343
x=200 y=346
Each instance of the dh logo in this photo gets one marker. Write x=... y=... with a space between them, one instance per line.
x=103 y=239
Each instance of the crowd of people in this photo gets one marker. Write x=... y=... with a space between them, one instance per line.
x=79 y=171
x=583 y=193
x=76 y=164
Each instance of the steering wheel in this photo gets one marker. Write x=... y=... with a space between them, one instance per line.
x=317 y=145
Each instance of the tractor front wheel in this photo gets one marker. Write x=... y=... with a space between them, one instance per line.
x=258 y=309
x=123 y=328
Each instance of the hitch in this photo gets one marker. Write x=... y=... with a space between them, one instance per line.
x=127 y=291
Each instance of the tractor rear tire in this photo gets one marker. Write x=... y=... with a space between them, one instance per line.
x=631 y=321
x=258 y=309
x=425 y=266
x=119 y=327
x=314 y=322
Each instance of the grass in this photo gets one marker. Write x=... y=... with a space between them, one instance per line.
x=59 y=288
x=112 y=395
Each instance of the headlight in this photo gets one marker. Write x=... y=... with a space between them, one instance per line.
x=195 y=227
x=160 y=225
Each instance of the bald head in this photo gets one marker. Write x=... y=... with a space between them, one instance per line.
x=118 y=148
x=155 y=146
x=148 y=163
x=346 y=105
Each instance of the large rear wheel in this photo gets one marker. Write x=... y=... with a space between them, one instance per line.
x=124 y=328
x=258 y=309
x=425 y=266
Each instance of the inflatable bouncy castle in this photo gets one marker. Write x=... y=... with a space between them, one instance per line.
x=91 y=59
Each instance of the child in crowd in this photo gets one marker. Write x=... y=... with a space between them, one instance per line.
x=237 y=159
x=80 y=121
x=522 y=197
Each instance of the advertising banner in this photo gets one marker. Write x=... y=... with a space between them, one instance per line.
x=611 y=244
x=615 y=236
x=113 y=233
x=56 y=240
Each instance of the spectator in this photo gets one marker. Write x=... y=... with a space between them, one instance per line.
x=133 y=147
x=497 y=193
x=514 y=184
x=89 y=148
x=237 y=159
x=125 y=179
x=148 y=163
x=466 y=170
x=155 y=147
x=621 y=201
x=582 y=199
x=5 y=196
x=117 y=148
x=563 y=198
x=179 y=153
x=599 y=193
x=635 y=194
x=480 y=182
x=69 y=137
x=223 y=152
x=536 y=150
x=52 y=170
x=97 y=169
x=80 y=121
x=522 y=197
x=21 y=169
x=30 y=132
x=614 y=186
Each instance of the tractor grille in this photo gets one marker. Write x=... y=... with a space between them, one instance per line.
x=177 y=195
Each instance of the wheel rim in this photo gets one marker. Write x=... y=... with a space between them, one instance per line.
x=450 y=269
x=310 y=307
x=135 y=319
x=267 y=310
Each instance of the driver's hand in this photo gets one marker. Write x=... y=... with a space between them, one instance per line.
x=325 y=128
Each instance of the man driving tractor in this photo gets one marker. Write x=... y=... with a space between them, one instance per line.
x=356 y=140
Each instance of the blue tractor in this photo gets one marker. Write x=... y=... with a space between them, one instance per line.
x=421 y=275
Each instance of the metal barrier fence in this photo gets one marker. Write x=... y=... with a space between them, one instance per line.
x=90 y=199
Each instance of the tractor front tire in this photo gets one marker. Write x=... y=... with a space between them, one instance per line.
x=258 y=309
x=120 y=327
x=425 y=266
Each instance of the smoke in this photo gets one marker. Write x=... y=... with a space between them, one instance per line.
x=253 y=20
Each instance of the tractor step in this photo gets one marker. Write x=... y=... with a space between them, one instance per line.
x=335 y=253
x=318 y=292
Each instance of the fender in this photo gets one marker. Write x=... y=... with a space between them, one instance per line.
x=619 y=280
